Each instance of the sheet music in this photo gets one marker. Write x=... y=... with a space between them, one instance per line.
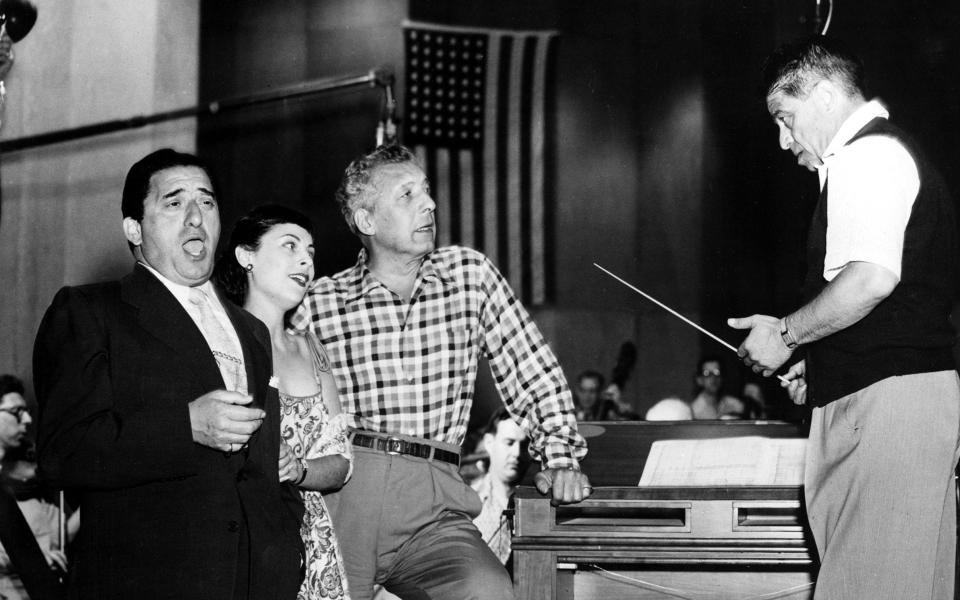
x=737 y=461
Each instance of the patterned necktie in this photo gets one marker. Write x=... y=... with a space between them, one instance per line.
x=225 y=350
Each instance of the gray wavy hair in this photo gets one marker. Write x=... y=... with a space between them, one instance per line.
x=356 y=187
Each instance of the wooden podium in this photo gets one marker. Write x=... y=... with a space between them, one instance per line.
x=665 y=542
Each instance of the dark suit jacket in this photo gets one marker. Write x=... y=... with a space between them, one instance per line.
x=115 y=366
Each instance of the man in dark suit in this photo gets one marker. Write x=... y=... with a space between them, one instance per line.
x=155 y=409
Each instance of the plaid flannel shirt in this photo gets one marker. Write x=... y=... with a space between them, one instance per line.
x=410 y=368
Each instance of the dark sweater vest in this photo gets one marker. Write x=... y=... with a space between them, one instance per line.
x=909 y=331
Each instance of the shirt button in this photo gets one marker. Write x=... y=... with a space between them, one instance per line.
x=233 y=526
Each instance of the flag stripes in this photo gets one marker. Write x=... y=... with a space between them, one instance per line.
x=478 y=117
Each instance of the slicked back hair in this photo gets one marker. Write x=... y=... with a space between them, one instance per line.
x=137 y=184
x=793 y=69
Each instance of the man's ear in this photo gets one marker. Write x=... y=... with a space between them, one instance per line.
x=363 y=219
x=132 y=231
x=826 y=94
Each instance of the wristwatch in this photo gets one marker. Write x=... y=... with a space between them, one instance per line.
x=303 y=471
x=786 y=336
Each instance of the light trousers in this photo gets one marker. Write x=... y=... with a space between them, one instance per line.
x=405 y=523
x=880 y=490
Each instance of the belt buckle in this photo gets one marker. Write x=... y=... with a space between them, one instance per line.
x=393 y=445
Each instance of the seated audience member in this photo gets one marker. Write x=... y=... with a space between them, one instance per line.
x=598 y=403
x=38 y=503
x=614 y=407
x=669 y=409
x=503 y=441
x=473 y=457
x=731 y=408
x=754 y=399
x=29 y=550
x=587 y=396
x=709 y=402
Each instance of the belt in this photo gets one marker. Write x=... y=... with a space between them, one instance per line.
x=392 y=445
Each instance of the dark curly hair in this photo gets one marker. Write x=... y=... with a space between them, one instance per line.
x=356 y=183
x=10 y=384
x=229 y=274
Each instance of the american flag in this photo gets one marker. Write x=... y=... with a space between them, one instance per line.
x=478 y=117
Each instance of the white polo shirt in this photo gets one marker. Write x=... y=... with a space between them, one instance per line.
x=873 y=184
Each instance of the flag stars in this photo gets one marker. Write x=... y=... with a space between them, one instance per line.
x=446 y=82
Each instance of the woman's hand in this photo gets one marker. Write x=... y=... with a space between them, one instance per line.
x=289 y=466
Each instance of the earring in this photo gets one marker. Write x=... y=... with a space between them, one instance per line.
x=248 y=268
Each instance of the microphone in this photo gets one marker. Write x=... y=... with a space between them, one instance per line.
x=17 y=17
x=387 y=127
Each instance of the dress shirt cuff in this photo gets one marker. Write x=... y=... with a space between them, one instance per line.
x=559 y=456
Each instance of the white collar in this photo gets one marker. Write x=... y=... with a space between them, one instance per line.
x=182 y=292
x=853 y=124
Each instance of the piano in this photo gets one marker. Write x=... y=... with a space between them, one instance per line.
x=625 y=541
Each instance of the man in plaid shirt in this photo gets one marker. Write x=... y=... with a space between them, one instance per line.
x=404 y=329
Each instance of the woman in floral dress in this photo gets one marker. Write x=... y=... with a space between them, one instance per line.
x=266 y=269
